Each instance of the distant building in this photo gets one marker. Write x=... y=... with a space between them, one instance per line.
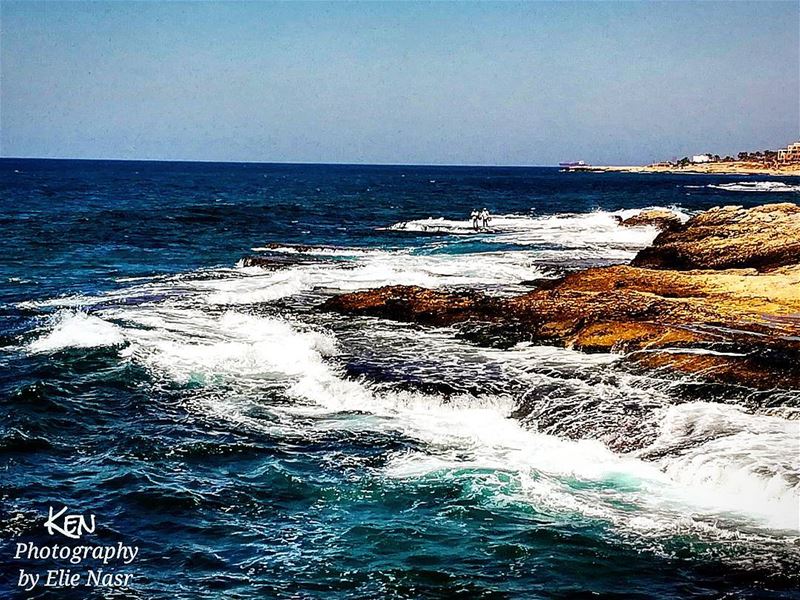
x=790 y=154
x=701 y=158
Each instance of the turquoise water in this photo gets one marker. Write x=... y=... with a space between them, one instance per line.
x=252 y=446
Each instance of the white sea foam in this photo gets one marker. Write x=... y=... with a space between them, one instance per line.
x=477 y=435
x=719 y=468
x=74 y=301
x=730 y=458
x=188 y=345
x=756 y=186
x=319 y=251
x=592 y=236
x=250 y=285
x=598 y=229
x=260 y=287
x=77 y=330
x=373 y=270
x=716 y=470
x=574 y=237
x=711 y=490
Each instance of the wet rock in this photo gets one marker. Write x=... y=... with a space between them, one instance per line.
x=657 y=217
x=409 y=303
x=542 y=283
x=763 y=238
x=295 y=247
x=762 y=368
x=739 y=326
x=619 y=309
x=277 y=261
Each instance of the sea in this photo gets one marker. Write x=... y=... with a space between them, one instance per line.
x=251 y=445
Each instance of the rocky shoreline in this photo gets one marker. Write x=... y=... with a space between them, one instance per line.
x=717 y=297
x=715 y=168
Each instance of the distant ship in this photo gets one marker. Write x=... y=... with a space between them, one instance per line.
x=577 y=163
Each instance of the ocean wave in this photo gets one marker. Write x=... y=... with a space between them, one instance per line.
x=711 y=471
x=756 y=186
x=598 y=229
x=720 y=464
x=70 y=329
x=374 y=270
x=74 y=301
x=320 y=250
x=188 y=345
x=552 y=240
x=711 y=474
x=251 y=285
x=731 y=459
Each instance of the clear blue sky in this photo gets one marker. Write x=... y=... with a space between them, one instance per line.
x=452 y=83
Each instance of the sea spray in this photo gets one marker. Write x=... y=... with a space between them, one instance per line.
x=72 y=329
x=245 y=440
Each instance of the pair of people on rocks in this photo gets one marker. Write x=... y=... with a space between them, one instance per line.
x=480 y=219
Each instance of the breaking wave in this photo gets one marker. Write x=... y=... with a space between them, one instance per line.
x=707 y=472
x=578 y=230
x=713 y=467
x=756 y=186
x=70 y=329
x=318 y=250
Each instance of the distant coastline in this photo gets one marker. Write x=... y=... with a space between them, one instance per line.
x=785 y=161
x=716 y=168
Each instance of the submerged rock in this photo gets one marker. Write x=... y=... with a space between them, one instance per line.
x=763 y=238
x=291 y=247
x=733 y=326
x=276 y=261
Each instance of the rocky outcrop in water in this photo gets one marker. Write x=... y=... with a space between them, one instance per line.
x=730 y=237
x=277 y=261
x=656 y=217
x=280 y=256
x=736 y=326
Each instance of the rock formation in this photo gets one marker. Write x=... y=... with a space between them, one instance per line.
x=277 y=261
x=693 y=315
x=656 y=217
x=763 y=238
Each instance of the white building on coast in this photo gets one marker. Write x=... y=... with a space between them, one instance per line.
x=790 y=154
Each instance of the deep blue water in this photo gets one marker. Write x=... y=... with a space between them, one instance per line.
x=252 y=446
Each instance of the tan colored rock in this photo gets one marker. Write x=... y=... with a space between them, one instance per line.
x=763 y=238
x=625 y=309
x=737 y=326
x=656 y=217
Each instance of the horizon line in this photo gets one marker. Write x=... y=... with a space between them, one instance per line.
x=281 y=162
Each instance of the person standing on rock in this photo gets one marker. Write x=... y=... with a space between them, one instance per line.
x=485 y=218
x=475 y=215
